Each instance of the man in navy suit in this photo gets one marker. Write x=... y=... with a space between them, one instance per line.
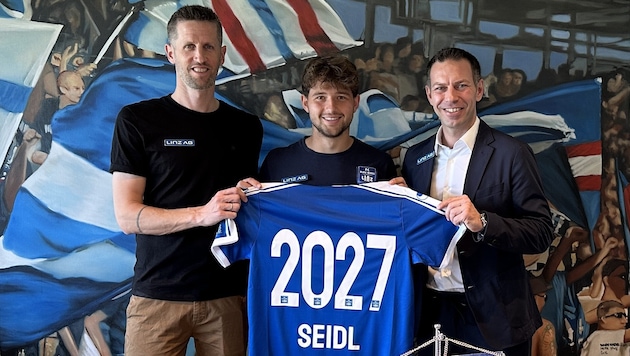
x=488 y=181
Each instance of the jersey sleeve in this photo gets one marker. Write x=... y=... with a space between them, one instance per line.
x=234 y=239
x=431 y=238
x=226 y=235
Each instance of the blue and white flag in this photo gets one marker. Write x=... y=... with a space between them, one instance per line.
x=16 y=9
x=62 y=254
x=25 y=47
x=571 y=174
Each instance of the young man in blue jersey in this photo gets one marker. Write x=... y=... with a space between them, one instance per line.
x=175 y=163
x=488 y=181
x=330 y=155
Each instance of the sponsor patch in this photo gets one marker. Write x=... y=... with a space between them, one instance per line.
x=425 y=158
x=296 y=179
x=179 y=142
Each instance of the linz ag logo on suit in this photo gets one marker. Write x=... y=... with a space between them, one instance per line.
x=179 y=142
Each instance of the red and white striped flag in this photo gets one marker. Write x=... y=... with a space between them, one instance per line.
x=585 y=160
x=259 y=34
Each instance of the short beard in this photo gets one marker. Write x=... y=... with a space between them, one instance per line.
x=192 y=83
x=329 y=134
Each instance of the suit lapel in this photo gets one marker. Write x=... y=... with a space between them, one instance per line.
x=479 y=160
x=425 y=167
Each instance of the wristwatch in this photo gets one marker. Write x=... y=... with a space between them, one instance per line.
x=484 y=224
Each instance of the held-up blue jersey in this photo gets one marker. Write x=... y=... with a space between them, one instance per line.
x=330 y=267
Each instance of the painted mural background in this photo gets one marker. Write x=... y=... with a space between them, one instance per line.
x=556 y=76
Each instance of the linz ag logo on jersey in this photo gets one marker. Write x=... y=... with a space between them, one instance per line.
x=179 y=142
x=295 y=179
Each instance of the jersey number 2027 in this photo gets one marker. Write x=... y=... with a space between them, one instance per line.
x=281 y=298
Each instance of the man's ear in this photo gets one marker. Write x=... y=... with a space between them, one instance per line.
x=168 y=51
x=480 y=88
x=304 y=103
x=427 y=91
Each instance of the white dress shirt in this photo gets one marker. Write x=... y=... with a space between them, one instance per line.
x=449 y=175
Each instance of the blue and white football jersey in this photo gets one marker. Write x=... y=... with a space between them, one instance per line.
x=330 y=267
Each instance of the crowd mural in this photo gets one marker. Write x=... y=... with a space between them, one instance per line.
x=70 y=65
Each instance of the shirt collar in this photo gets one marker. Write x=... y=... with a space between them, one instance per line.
x=467 y=139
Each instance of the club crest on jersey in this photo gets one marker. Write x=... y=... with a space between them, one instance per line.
x=295 y=179
x=425 y=158
x=179 y=142
x=366 y=174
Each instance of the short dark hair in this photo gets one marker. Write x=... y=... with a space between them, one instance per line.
x=336 y=70
x=455 y=54
x=193 y=13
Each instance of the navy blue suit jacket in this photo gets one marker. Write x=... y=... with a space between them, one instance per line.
x=503 y=181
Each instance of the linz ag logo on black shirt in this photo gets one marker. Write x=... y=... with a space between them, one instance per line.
x=179 y=142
